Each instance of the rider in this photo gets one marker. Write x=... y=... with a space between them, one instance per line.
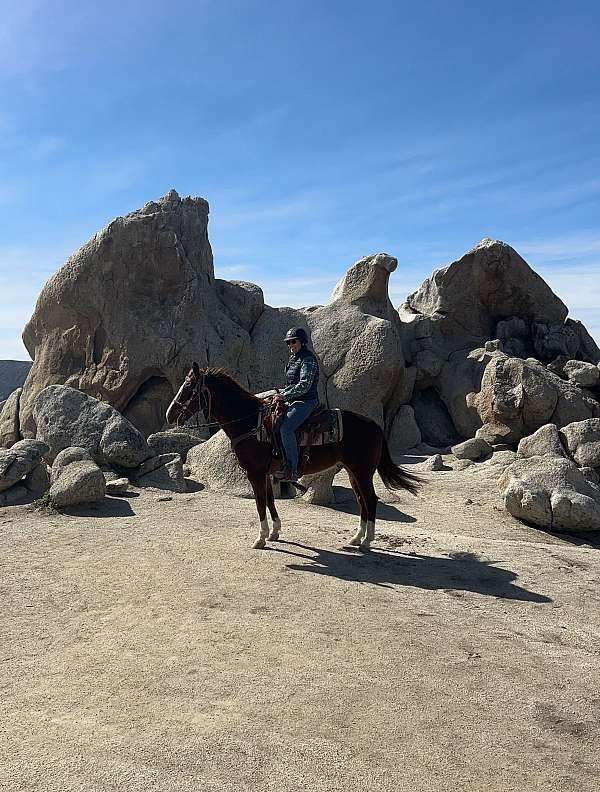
x=300 y=394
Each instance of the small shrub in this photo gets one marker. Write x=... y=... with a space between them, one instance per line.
x=45 y=504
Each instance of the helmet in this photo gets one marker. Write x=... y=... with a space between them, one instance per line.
x=296 y=334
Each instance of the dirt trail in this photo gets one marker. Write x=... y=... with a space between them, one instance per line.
x=145 y=646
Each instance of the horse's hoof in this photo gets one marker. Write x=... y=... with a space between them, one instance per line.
x=355 y=542
x=259 y=544
x=365 y=547
x=273 y=537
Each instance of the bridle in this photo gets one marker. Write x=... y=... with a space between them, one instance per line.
x=202 y=392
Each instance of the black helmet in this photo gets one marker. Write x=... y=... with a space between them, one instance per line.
x=296 y=334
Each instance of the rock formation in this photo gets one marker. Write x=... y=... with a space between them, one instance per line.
x=482 y=352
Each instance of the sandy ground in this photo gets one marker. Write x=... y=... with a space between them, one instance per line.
x=146 y=646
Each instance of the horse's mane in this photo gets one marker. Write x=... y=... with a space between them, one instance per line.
x=222 y=377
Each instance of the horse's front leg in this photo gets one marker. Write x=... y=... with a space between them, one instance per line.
x=274 y=535
x=259 y=486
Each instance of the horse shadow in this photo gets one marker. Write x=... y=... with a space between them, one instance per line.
x=345 y=501
x=455 y=573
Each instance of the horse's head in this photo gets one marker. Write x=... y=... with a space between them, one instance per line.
x=192 y=396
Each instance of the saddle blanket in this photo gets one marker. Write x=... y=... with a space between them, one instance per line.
x=325 y=427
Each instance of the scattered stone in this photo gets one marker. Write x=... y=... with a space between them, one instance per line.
x=550 y=492
x=169 y=476
x=164 y=498
x=117 y=486
x=154 y=463
x=433 y=463
x=474 y=449
x=173 y=443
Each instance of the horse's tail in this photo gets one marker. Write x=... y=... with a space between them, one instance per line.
x=393 y=476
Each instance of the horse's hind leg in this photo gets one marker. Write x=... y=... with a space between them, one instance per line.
x=274 y=535
x=358 y=537
x=371 y=501
x=259 y=485
x=363 y=482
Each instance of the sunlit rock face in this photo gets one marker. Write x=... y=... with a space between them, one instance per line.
x=125 y=316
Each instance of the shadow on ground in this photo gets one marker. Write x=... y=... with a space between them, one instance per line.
x=109 y=507
x=345 y=501
x=453 y=573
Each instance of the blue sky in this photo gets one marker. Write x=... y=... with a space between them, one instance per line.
x=319 y=132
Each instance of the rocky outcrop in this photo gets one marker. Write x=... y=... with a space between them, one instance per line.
x=551 y=493
x=474 y=449
x=123 y=319
x=517 y=397
x=66 y=417
x=489 y=284
x=164 y=471
x=13 y=374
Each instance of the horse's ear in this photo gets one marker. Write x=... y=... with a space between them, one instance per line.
x=196 y=369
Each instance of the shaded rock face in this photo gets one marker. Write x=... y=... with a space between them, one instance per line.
x=13 y=374
x=125 y=316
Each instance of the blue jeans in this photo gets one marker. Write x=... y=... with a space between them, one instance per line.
x=297 y=413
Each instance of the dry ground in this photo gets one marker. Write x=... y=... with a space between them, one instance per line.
x=145 y=646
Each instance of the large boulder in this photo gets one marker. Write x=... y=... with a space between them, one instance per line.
x=123 y=319
x=517 y=397
x=582 y=439
x=9 y=420
x=552 y=493
x=20 y=460
x=489 y=284
x=215 y=465
x=67 y=417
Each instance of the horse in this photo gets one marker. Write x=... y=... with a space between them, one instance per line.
x=362 y=450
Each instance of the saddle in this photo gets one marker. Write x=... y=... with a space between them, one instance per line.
x=321 y=427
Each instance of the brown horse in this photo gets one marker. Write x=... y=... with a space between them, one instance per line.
x=362 y=451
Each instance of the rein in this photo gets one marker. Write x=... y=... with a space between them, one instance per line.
x=199 y=388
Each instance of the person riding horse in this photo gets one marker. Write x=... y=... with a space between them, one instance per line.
x=300 y=396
